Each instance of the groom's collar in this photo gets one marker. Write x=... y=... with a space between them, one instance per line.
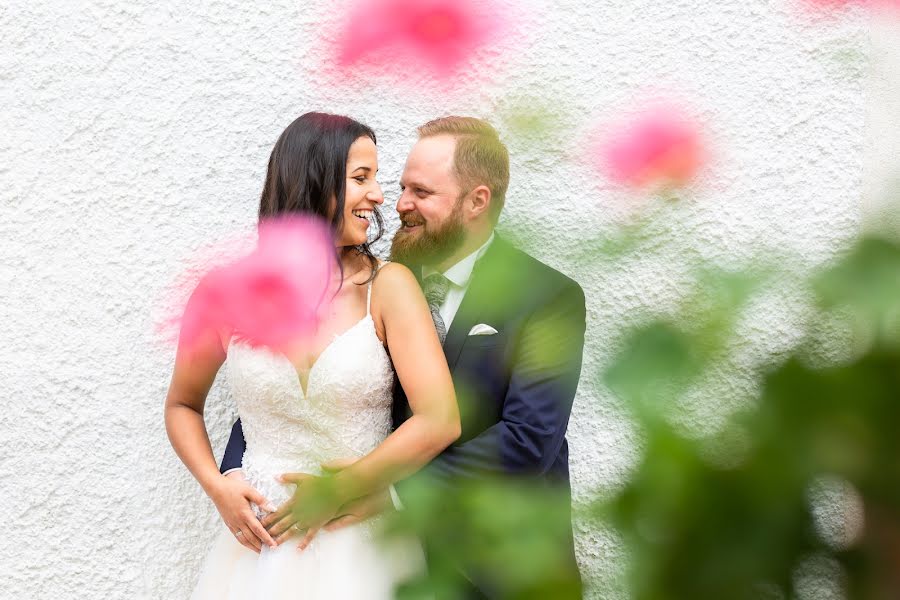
x=460 y=273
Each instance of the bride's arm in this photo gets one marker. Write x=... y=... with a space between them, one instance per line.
x=194 y=373
x=422 y=370
x=195 y=370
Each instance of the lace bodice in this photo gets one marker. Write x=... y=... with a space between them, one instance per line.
x=345 y=412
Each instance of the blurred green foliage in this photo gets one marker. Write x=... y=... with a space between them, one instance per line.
x=505 y=535
x=866 y=285
x=658 y=361
x=730 y=515
x=532 y=119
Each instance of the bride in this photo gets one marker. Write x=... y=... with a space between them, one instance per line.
x=334 y=401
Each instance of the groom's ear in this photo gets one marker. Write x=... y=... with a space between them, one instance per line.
x=480 y=201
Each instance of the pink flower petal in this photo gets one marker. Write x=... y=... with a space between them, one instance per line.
x=831 y=3
x=271 y=297
x=441 y=35
x=887 y=6
x=659 y=148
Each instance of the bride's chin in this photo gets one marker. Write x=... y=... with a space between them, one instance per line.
x=351 y=241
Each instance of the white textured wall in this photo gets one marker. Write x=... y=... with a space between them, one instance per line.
x=133 y=133
x=881 y=206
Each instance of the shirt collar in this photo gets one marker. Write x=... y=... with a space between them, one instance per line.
x=460 y=273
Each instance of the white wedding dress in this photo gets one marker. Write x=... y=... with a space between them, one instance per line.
x=345 y=411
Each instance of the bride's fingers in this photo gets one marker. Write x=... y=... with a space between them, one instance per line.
x=246 y=538
x=259 y=531
x=310 y=534
x=258 y=499
x=252 y=542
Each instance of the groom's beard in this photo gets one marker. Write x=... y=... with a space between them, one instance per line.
x=429 y=246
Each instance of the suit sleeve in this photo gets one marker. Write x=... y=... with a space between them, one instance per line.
x=535 y=414
x=234 y=450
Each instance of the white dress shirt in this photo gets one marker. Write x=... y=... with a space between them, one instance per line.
x=459 y=276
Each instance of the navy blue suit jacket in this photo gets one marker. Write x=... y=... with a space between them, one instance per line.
x=516 y=387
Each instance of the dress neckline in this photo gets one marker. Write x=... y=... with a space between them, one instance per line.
x=304 y=385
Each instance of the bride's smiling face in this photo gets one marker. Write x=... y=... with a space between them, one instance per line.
x=362 y=193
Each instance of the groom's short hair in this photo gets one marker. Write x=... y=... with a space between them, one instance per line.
x=480 y=157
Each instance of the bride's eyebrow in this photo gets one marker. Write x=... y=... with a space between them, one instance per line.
x=366 y=169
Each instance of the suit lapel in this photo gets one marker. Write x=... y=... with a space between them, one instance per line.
x=473 y=304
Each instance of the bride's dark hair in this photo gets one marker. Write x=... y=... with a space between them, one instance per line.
x=308 y=167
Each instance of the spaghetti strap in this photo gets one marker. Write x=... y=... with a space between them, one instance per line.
x=369 y=291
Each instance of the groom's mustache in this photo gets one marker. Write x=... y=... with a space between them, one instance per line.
x=411 y=219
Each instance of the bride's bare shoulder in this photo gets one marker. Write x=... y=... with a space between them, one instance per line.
x=394 y=283
x=395 y=291
x=394 y=273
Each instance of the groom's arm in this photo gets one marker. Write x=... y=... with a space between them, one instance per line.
x=536 y=410
x=234 y=450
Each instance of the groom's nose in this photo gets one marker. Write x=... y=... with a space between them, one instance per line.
x=404 y=202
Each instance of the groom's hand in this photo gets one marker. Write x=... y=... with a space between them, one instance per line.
x=282 y=523
x=312 y=505
x=334 y=466
x=286 y=521
x=357 y=511
x=360 y=509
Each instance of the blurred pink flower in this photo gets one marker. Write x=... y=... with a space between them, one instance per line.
x=660 y=148
x=441 y=33
x=833 y=5
x=273 y=296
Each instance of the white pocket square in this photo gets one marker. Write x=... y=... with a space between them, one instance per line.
x=482 y=329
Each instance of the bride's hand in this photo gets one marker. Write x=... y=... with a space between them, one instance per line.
x=232 y=497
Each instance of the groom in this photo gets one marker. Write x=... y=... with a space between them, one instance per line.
x=512 y=330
